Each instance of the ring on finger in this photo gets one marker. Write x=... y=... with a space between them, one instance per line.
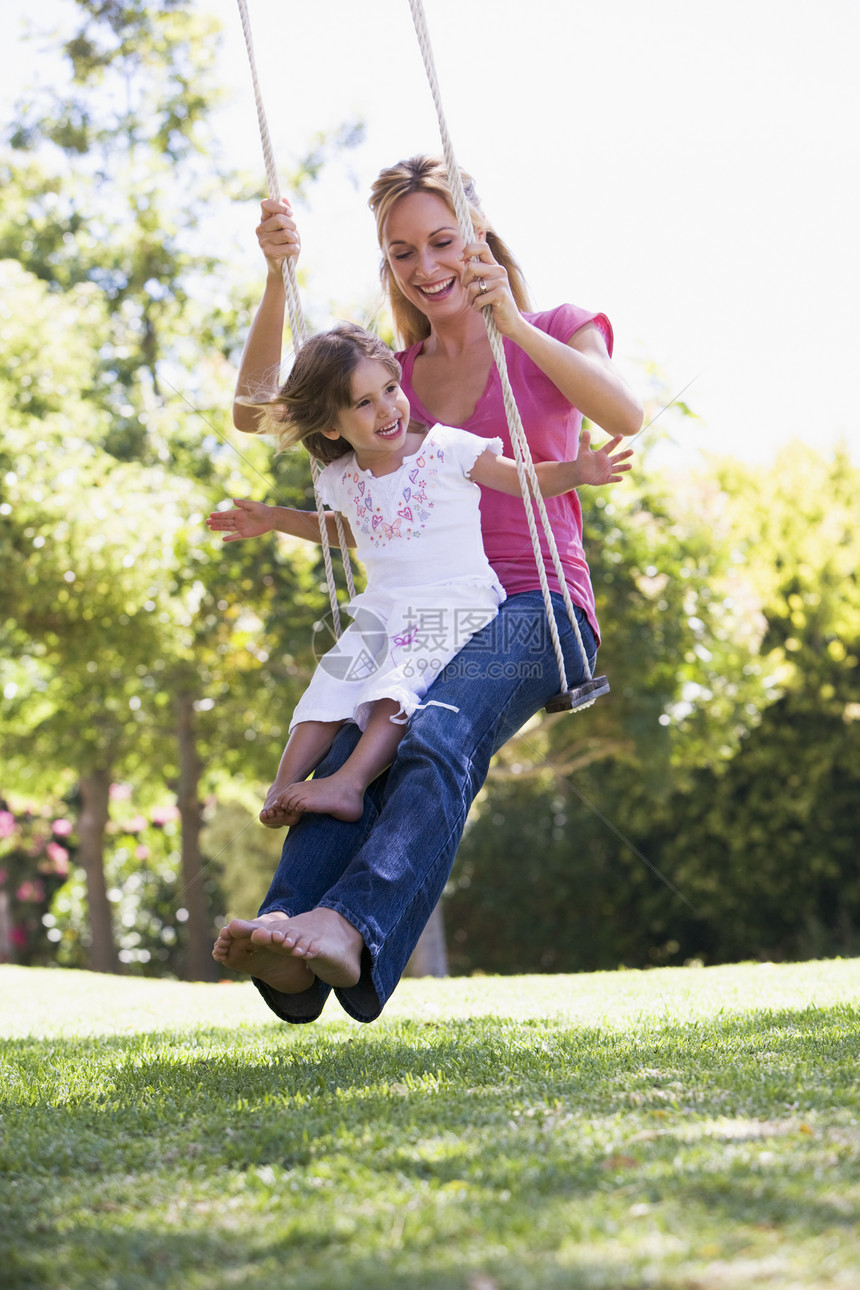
x=482 y=285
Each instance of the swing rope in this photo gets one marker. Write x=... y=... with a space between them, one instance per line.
x=298 y=330
x=522 y=453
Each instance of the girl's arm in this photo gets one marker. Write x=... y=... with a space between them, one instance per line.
x=592 y=466
x=261 y=358
x=253 y=519
x=581 y=369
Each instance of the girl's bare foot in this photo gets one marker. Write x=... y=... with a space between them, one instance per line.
x=257 y=946
x=324 y=941
x=275 y=813
x=330 y=796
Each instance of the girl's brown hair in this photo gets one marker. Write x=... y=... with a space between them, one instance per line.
x=319 y=387
x=428 y=175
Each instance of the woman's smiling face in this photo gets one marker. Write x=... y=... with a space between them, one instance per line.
x=423 y=246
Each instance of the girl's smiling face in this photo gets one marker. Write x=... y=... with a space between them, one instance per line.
x=376 y=421
x=424 y=247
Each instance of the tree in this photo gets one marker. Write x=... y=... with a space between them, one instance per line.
x=135 y=109
x=746 y=804
x=142 y=626
x=71 y=562
x=119 y=607
x=774 y=831
x=139 y=92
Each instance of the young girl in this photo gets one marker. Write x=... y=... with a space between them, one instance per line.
x=410 y=501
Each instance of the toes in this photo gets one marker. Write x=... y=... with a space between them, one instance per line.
x=280 y=812
x=303 y=948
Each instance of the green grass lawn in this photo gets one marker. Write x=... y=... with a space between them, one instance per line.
x=689 y=1128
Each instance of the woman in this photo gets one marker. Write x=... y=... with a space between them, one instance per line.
x=350 y=900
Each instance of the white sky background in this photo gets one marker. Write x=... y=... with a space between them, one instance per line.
x=690 y=168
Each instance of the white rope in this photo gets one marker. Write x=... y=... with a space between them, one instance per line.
x=288 y=266
x=298 y=330
x=522 y=453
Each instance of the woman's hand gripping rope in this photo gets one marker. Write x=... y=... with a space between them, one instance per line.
x=277 y=232
x=487 y=283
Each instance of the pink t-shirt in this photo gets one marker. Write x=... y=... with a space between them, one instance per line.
x=552 y=427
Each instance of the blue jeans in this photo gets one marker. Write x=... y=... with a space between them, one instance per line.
x=386 y=872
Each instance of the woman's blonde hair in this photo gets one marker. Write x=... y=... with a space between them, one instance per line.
x=428 y=175
x=319 y=387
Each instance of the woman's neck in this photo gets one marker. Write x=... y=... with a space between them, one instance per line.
x=451 y=372
x=454 y=337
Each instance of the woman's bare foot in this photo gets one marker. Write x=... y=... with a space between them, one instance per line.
x=332 y=795
x=275 y=813
x=324 y=941
x=257 y=946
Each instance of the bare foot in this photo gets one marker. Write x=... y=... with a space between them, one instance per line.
x=324 y=941
x=275 y=813
x=256 y=946
x=330 y=796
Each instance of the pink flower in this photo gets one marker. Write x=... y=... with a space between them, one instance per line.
x=62 y=828
x=18 y=936
x=141 y=853
x=7 y=824
x=164 y=814
x=136 y=824
x=59 y=857
x=31 y=891
x=120 y=792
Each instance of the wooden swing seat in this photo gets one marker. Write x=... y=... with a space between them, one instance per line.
x=579 y=697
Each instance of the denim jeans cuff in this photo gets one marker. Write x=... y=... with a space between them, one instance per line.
x=298 y=1009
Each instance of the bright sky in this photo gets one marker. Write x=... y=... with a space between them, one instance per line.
x=690 y=169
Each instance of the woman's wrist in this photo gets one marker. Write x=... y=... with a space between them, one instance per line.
x=519 y=330
x=275 y=275
x=531 y=340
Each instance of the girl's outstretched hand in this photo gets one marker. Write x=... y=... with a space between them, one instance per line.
x=249 y=519
x=602 y=465
x=277 y=232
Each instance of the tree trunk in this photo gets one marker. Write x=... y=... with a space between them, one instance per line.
x=92 y=822
x=430 y=957
x=6 y=955
x=200 y=966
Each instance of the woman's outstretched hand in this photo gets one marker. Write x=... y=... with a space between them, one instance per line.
x=277 y=232
x=487 y=283
x=602 y=465
x=249 y=519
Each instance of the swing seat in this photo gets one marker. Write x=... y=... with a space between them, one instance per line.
x=579 y=697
